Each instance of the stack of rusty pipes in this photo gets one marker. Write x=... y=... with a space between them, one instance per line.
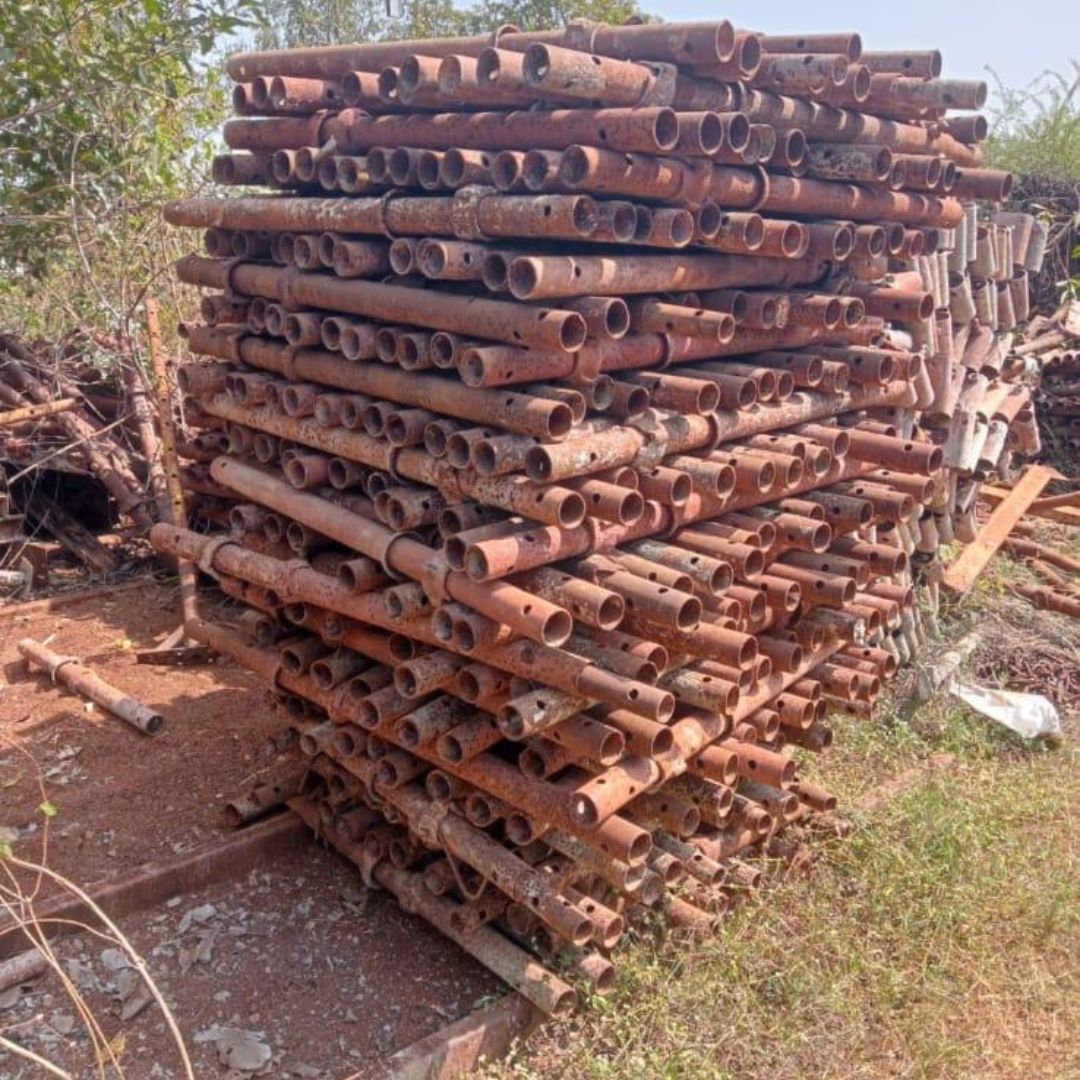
x=981 y=414
x=581 y=411
x=1059 y=397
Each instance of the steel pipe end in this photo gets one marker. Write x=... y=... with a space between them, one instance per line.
x=709 y=134
x=488 y=68
x=495 y=272
x=575 y=163
x=388 y=87
x=536 y=64
x=738 y=132
x=571 y=510
x=708 y=220
x=449 y=75
x=535 y=170
x=442 y=625
x=427 y=169
x=506 y=169
x=747 y=53
x=794 y=240
x=377 y=163
x=402 y=256
x=665 y=130
x=408 y=76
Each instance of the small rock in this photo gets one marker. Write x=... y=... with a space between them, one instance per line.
x=199 y=914
x=114 y=959
x=204 y=952
x=136 y=1003
x=187 y=958
x=81 y=974
x=126 y=983
x=243 y=1050
x=9 y=998
x=64 y=1023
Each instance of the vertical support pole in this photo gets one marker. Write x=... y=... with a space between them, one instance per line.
x=178 y=510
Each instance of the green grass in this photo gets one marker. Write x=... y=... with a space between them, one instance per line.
x=940 y=938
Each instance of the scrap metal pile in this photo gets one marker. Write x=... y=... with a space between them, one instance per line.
x=583 y=407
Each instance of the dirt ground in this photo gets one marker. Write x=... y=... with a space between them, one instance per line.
x=329 y=975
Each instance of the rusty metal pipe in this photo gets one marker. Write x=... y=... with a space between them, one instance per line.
x=547 y=276
x=79 y=678
x=490 y=318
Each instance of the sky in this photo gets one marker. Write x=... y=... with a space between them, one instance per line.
x=1017 y=39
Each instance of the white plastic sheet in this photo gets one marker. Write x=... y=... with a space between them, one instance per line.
x=1031 y=716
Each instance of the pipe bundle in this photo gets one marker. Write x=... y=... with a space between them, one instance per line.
x=1058 y=365
x=579 y=409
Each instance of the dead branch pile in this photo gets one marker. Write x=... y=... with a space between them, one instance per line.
x=78 y=407
x=1026 y=658
x=1050 y=347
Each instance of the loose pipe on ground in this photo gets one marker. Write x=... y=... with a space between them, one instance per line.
x=78 y=677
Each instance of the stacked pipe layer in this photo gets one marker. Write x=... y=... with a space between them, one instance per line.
x=1059 y=399
x=579 y=407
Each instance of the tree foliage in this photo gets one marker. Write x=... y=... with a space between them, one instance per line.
x=288 y=23
x=1036 y=129
x=102 y=106
x=540 y=14
x=108 y=107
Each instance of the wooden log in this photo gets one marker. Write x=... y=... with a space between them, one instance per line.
x=1053 y=502
x=961 y=574
x=170 y=461
x=75 y=537
x=152 y=883
x=1064 y=515
x=22 y=968
x=148 y=437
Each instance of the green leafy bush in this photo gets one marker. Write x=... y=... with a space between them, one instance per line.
x=1036 y=130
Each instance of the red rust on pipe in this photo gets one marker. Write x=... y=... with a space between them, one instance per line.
x=491 y=318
